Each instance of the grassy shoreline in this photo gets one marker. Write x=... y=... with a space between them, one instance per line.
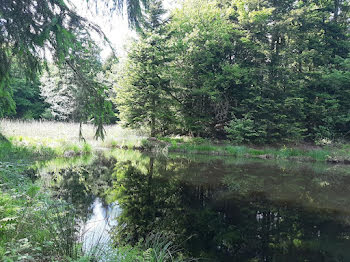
x=338 y=154
x=61 y=139
x=335 y=154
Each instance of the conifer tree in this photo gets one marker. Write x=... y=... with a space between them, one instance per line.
x=29 y=29
x=142 y=99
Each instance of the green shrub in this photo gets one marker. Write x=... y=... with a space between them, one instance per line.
x=198 y=141
x=87 y=149
x=243 y=131
x=236 y=150
x=319 y=155
x=256 y=152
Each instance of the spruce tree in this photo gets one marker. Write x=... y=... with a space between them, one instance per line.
x=142 y=98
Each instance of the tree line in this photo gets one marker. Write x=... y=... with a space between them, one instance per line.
x=254 y=71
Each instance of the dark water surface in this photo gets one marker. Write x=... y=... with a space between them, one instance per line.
x=216 y=209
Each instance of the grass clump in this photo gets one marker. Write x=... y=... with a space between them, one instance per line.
x=51 y=148
x=236 y=150
x=87 y=149
x=196 y=148
x=163 y=251
x=319 y=155
x=10 y=151
x=155 y=248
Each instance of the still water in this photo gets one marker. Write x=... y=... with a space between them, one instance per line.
x=214 y=208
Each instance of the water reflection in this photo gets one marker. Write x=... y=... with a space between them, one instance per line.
x=222 y=209
x=95 y=230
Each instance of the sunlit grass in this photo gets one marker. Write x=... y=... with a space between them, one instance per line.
x=62 y=139
x=65 y=136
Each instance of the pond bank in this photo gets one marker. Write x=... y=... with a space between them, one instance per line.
x=333 y=154
x=339 y=154
x=43 y=138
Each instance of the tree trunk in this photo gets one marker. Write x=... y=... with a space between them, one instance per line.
x=3 y=138
x=81 y=138
x=153 y=118
x=336 y=9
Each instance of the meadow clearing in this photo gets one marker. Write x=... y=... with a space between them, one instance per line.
x=65 y=136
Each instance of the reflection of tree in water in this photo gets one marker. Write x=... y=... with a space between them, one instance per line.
x=144 y=198
x=204 y=213
x=81 y=184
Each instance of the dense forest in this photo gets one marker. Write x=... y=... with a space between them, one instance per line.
x=255 y=71
x=252 y=71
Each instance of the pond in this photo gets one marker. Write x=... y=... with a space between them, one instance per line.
x=213 y=208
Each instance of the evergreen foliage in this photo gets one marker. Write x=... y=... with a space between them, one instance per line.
x=30 y=29
x=26 y=95
x=77 y=91
x=254 y=71
x=142 y=97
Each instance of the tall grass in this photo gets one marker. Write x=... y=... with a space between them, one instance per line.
x=11 y=152
x=64 y=136
x=155 y=248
